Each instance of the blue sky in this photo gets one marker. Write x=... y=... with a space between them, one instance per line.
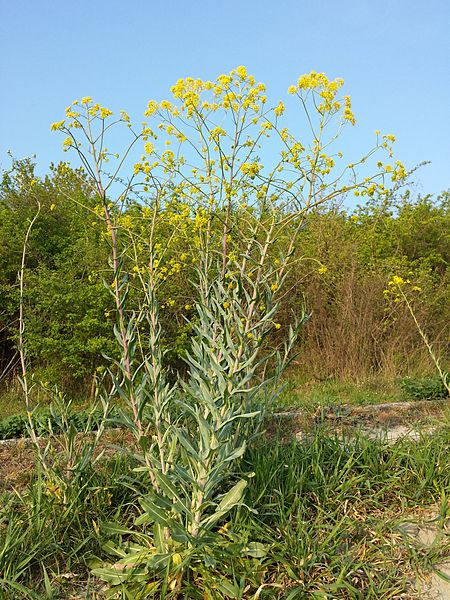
x=393 y=54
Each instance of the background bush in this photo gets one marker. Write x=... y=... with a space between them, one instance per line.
x=344 y=261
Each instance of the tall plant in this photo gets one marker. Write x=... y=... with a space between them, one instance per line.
x=207 y=187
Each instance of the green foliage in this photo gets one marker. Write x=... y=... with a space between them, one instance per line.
x=424 y=389
x=48 y=421
x=43 y=530
x=13 y=427
x=347 y=261
x=65 y=299
x=201 y=428
x=343 y=264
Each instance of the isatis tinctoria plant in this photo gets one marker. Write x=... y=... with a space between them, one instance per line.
x=205 y=228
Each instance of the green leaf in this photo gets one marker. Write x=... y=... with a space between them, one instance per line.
x=171 y=490
x=255 y=550
x=226 y=587
x=232 y=497
x=237 y=453
x=110 y=575
x=154 y=513
x=115 y=528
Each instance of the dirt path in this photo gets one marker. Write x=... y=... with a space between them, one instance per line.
x=394 y=421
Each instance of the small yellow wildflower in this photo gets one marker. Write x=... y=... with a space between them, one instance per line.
x=57 y=125
x=105 y=112
x=396 y=280
x=152 y=107
x=242 y=72
x=279 y=110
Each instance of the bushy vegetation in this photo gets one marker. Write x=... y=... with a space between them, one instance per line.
x=343 y=262
x=47 y=421
x=424 y=389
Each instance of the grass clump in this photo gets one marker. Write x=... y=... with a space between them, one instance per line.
x=299 y=393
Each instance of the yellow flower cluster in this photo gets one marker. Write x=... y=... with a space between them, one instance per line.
x=125 y=117
x=397 y=287
x=57 y=126
x=74 y=116
x=252 y=169
x=317 y=81
x=396 y=280
x=279 y=110
x=348 y=113
x=126 y=222
x=201 y=219
x=235 y=90
x=327 y=90
x=215 y=133
x=399 y=172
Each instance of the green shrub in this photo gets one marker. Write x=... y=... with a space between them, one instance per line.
x=424 y=389
x=17 y=426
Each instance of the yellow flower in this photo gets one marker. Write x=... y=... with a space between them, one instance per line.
x=348 y=113
x=105 y=112
x=251 y=169
x=277 y=325
x=216 y=133
x=396 y=280
x=57 y=125
x=242 y=72
x=225 y=79
x=52 y=206
x=166 y=105
x=279 y=110
x=152 y=107
x=323 y=269
x=149 y=148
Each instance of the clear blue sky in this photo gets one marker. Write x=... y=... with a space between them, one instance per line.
x=393 y=54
